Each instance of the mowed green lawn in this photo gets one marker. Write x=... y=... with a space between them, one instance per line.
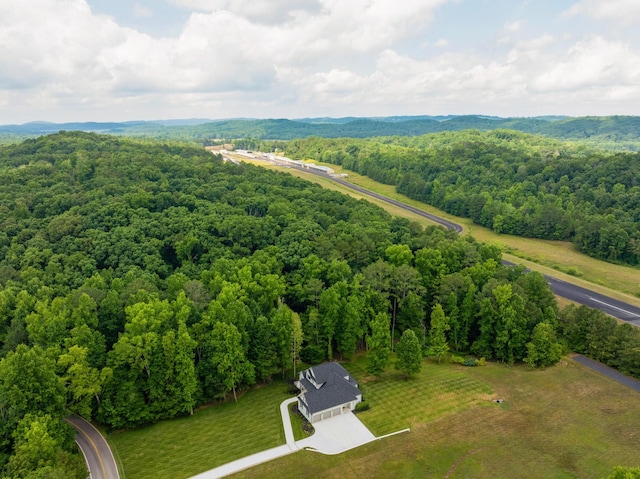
x=563 y=422
x=213 y=436
x=397 y=402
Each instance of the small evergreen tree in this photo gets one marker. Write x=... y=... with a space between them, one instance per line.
x=409 y=353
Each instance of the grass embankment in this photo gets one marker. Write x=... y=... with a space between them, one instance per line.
x=181 y=448
x=557 y=258
x=563 y=422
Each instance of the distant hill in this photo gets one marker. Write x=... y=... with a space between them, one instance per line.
x=612 y=132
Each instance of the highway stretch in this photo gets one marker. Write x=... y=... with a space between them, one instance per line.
x=436 y=219
x=96 y=451
x=613 y=307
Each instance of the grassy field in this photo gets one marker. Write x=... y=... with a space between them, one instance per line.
x=215 y=435
x=432 y=393
x=563 y=422
x=557 y=258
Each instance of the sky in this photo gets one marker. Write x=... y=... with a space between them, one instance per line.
x=121 y=60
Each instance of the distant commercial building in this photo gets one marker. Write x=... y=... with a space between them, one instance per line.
x=303 y=165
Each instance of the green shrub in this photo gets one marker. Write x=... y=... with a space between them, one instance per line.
x=455 y=359
x=470 y=362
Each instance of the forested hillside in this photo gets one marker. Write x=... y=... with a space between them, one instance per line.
x=140 y=280
x=617 y=133
x=511 y=182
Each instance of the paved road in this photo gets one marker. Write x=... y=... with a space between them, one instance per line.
x=613 y=307
x=608 y=372
x=97 y=453
x=447 y=224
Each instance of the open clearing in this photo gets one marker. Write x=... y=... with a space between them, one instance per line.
x=563 y=422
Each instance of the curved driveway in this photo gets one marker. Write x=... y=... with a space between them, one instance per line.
x=332 y=436
x=613 y=307
x=97 y=453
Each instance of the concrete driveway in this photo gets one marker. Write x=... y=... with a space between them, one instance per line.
x=337 y=434
x=332 y=436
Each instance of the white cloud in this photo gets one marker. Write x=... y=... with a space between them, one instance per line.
x=141 y=11
x=513 y=26
x=292 y=57
x=623 y=11
x=46 y=42
x=82 y=52
x=259 y=11
x=532 y=50
x=593 y=63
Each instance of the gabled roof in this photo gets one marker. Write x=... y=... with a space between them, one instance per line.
x=333 y=387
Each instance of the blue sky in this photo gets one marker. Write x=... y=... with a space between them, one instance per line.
x=116 y=60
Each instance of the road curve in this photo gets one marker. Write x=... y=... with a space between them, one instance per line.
x=97 y=453
x=613 y=307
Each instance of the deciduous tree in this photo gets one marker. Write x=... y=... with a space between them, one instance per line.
x=543 y=350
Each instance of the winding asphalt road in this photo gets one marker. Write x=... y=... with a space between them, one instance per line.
x=97 y=453
x=613 y=307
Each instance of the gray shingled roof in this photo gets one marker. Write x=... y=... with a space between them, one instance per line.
x=334 y=390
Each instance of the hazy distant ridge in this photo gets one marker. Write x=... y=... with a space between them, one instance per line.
x=610 y=128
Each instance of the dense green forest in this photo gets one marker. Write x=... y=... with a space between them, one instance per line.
x=611 y=132
x=139 y=280
x=511 y=182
